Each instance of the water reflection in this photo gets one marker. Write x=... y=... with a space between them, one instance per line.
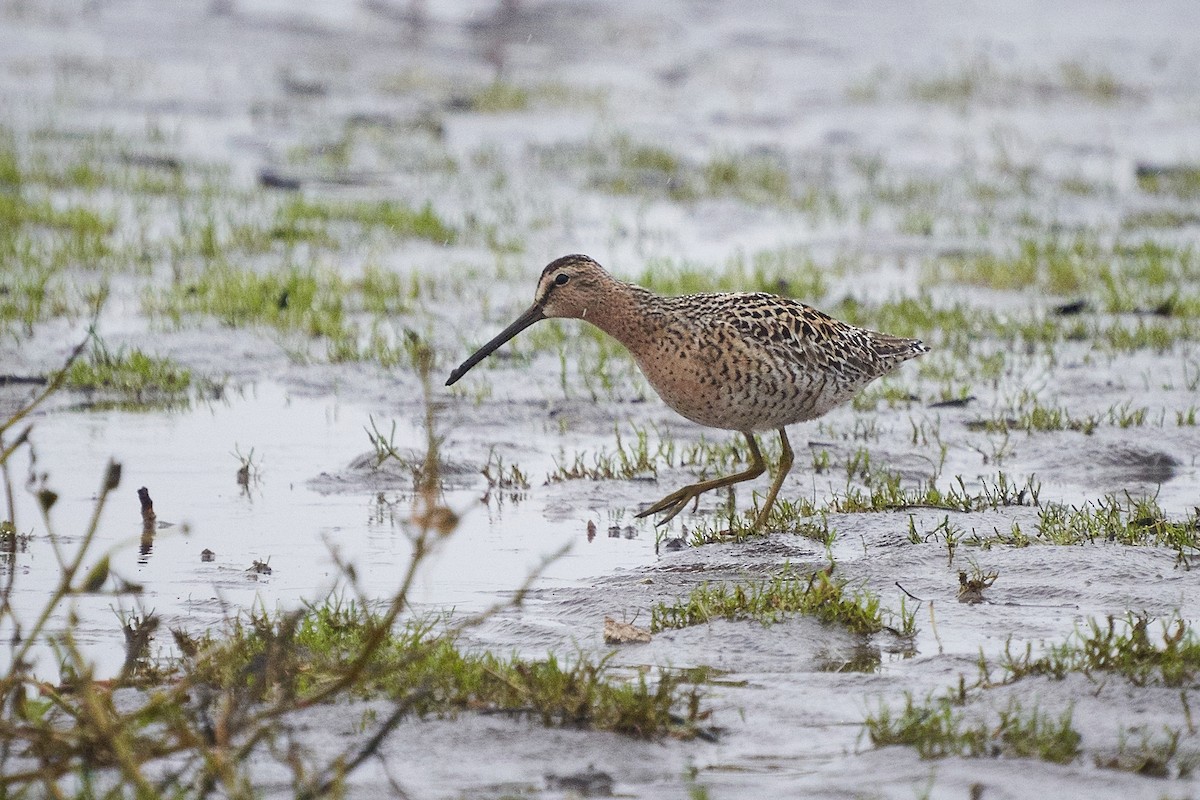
x=864 y=658
x=149 y=525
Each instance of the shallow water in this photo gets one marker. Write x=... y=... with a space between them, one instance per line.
x=311 y=497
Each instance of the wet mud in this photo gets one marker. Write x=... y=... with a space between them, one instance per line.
x=259 y=480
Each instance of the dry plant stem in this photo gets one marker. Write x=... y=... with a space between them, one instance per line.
x=92 y=710
x=8 y=485
x=220 y=760
x=216 y=743
x=346 y=762
x=10 y=546
x=100 y=716
x=53 y=385
x=369 y=748
x=428 y=496
x=112 y=479
x=377 y=636
x=393 y=784
x=425 y=513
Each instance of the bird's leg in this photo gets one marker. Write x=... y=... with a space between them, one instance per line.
x=677 y=501
x=785 y=466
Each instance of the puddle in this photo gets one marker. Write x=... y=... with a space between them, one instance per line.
x=286 y=517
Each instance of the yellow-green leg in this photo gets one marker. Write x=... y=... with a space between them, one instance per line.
x=677 y=501
x=785 y=466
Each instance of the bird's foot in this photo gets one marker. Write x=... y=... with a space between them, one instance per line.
x=673 y=503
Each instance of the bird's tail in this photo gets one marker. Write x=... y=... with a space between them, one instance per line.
x=897 y=349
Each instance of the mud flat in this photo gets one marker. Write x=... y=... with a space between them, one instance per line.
x=272 y=234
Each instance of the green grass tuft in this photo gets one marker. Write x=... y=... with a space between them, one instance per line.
x=498 y=97
x=1132 y=522
x=937 y=730
x=786 y=271
x=1121 y=646
x=300 y=653
x=128 y=372
x=817 y=594
x=299 y=217
x=291 y=299
x=754 y=179
x=1181 y=181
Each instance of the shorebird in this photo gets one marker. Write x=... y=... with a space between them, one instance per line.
x=740 y=361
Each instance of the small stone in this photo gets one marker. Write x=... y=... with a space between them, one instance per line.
x=623 y=633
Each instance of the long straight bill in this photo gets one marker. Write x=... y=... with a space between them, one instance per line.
x=534 y=314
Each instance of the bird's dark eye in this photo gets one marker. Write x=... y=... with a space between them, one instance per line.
x=561 y=278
